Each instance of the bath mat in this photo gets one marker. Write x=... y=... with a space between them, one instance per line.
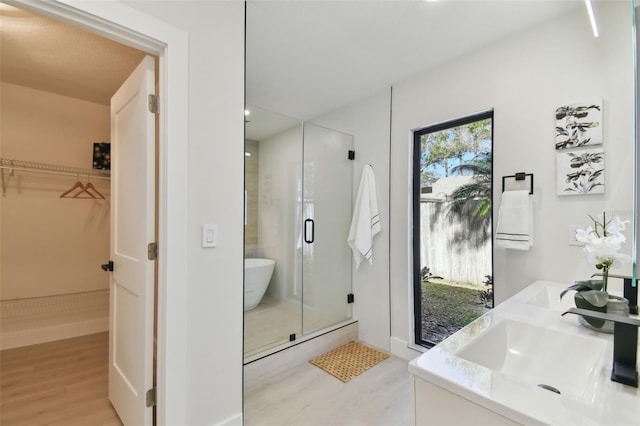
x=349 y=361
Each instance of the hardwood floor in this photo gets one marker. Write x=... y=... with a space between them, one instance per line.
x=57 y=383
x=307 y=396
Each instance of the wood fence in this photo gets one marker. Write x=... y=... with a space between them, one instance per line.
x=454 y=248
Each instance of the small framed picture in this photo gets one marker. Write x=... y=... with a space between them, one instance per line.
x=102 y=156
x=578 y=125
x=580 y=171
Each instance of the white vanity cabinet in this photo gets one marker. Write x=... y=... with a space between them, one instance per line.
x=433 y=405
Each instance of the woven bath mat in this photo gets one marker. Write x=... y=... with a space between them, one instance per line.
x=349 y=361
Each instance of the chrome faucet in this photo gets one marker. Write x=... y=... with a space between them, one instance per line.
x=625 y=344
x=630 y=290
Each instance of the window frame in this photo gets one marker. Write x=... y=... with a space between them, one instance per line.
x=415 y=199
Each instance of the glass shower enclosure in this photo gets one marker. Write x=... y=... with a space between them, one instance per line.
x=298 y=203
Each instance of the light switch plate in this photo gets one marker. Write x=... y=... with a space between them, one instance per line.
x=572 y=235
x=209 y=235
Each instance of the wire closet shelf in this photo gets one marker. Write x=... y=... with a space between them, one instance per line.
x=34 y=167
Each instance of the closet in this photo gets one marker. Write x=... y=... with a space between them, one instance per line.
x=54 y=233
x=56 y=86
x=55 y=129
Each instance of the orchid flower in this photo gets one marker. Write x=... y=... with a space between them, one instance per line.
x=602 y=242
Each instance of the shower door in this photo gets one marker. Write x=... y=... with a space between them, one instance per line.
x=273 y=200
x=298 y=185
x=326 y=217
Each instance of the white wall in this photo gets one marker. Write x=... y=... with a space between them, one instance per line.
x=523 y=78
x=216 y=156
x=59 y=252
x=368 y=122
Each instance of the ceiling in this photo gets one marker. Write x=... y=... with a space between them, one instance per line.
x=304 y=58
x=48 y=55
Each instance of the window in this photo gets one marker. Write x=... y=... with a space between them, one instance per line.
x=452 y=226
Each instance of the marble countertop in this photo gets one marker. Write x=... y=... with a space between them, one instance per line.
x=597 y=401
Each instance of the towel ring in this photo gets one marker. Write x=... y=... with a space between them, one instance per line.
x=519 y=176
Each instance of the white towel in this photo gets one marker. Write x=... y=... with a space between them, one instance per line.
x=365 y=223
x=515 y=221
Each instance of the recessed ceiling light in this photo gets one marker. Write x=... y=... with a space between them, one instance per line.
x=247 y=112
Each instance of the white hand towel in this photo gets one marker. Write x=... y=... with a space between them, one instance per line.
x=515 y=221
x=365 y=223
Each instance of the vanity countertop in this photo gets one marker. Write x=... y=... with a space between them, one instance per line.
x=471 y=364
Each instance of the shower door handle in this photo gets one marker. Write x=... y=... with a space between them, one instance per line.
x=313 y=226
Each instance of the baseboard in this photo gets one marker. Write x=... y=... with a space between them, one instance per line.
x=231 y=421
x=400 y=348
x=35 y=336
x=375 y=342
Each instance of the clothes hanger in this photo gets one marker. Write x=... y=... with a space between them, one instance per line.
x=77 y=185
x=85 y=190
x=89 y=187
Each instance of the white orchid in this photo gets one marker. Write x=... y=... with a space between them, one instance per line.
x=602 y=242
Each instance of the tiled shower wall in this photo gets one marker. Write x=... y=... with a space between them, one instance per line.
x=251 y=188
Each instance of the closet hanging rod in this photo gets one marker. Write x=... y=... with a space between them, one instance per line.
x=35 y=167
x=52 y=169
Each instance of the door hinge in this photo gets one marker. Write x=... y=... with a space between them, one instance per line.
x=350 y=298
x=151 y=397
x=351 y=155
x=152 y=251
x=153 y=104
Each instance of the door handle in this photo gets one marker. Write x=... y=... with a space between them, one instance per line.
x=107 y=266
x=313 y=226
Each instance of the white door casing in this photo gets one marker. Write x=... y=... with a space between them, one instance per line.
x=132 y=228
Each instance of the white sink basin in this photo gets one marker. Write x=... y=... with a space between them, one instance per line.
x=499 y=361
x=549 y=298
x=537 y=356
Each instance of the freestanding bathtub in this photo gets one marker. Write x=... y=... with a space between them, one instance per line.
x=257 y=274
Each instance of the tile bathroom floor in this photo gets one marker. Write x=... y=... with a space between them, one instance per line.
x=307 y=396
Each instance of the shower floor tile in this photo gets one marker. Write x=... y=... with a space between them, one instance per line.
x=271 y=323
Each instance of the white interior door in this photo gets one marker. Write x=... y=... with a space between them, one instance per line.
x=132 y=228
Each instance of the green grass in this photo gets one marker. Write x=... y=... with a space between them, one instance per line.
x=446 y=309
